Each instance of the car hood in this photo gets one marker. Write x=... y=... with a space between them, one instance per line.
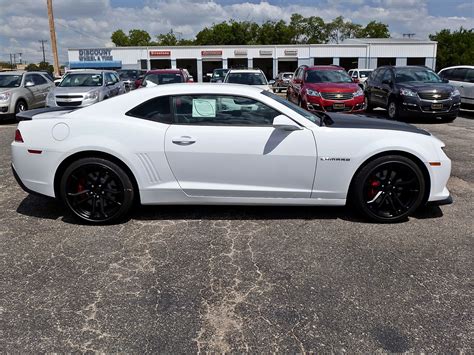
x=2 y=90
x=333 y=87
x=75 y=90
x=426 y=87
x=338 y=120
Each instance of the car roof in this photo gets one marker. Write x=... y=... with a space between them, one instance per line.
x=245 y=70
x=164 y=71
x=16 y=72
x=459 y=67
x=88 y=71
x=324 y=67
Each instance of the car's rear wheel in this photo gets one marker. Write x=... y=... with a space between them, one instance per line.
x=392 y=110
x=388 y=189
x=96 y=190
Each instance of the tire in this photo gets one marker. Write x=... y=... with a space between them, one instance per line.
x=392 y=110
x=20 y=106
x=368 y=106
x=96 y=190
x=388 y=189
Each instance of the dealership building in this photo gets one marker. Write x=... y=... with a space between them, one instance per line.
x=272 y=59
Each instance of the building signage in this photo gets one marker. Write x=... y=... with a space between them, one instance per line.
x=291 y=52
x=211 y=53
x=95 y=55
x=240 y=52
x=266 y=52
x=160 y=53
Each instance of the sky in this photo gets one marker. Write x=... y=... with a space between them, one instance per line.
x=90 y=23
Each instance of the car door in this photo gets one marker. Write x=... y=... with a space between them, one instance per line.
x=376 y=88
x=226 y=146
x=31 y=91
x=386 y=86
x=294 y=84
x=42 y=88
x=468 y=86
x=110 y=85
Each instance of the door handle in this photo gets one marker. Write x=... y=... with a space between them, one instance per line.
x=183 y=140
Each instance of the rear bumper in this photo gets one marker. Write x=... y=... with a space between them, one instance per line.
x=22 y=185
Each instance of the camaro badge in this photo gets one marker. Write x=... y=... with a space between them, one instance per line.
x=334 y=159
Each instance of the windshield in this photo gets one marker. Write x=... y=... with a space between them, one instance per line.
x=327 y=76
x=306 y=114
x=159 y=79
x=128 y=74
x=10 y=81
x=246 y=78
x=81 y=79
x=364 y=73
x=219 y=73
x=416 y=74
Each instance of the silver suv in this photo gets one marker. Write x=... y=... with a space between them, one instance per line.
x=20 y=91
x=80 y=88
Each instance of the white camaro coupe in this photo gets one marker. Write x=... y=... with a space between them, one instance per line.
x=224 y=144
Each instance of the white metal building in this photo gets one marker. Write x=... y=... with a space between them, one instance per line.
x=272 y=59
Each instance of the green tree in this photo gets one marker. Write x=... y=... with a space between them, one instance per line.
x=167 y=39
x=338 y=30
x=454 y=48
x=374 y=29
x=139 y=38
x=46 y=66
x=31 y=67
x=120 y=39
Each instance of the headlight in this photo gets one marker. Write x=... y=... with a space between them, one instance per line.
x=312 y=93
x=455 y=93
x=408 y=92
x=93 y=95
x=5 y=96
x=359 y=92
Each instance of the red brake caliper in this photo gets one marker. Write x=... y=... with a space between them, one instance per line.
x=80 y=185
x=374 y=184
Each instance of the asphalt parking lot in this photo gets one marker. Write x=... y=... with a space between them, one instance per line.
x=220 y=279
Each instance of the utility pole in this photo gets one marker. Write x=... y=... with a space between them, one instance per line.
x=53 y=37
x=43 y=41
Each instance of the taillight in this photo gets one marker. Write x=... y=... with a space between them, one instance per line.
x=18 y=137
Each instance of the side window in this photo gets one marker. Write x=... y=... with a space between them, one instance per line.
x=297 y=72
x=157 y=109
x=459 y=74
x=470 y=76
x=378 y=75
x=109 y=78
x=29 y=78
x=115 y=78
x=301 y=74
x=446 y=74
x=222 y=110
x=387 y=75
x=38 y=79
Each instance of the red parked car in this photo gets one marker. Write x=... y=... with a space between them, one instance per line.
x=164 y=76
x=325 y=88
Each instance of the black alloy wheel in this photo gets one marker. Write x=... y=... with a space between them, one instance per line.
x=389 y=189
x=96 y=190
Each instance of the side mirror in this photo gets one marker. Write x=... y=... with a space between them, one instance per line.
x=110 y=83
x=387 y=82
x=445 y=81
x=29 y=84
x=285 y=123
x=271 y=82
x=57 y=83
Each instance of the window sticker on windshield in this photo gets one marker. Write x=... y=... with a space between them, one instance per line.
x=204 y=107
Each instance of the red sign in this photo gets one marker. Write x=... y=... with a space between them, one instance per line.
x=211 y=52
x=160 y=53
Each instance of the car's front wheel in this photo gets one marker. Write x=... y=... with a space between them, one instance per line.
x=96 y=190
x=392 y=110
x=388 y=189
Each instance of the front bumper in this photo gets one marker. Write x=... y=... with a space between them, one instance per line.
x=414 y=106
x=354 y=105
x=6 y=108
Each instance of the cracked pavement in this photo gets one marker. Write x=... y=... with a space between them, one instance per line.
x=187 y=279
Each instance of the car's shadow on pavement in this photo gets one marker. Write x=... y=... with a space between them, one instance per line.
x=49 y=208
x=7 y=121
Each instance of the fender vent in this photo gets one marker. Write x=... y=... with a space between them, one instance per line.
x=153 y=176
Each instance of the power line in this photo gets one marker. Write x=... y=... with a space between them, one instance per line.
x=43 y=41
